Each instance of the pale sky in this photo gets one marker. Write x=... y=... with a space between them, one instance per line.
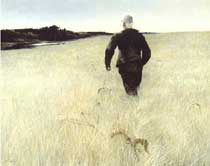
x=106 y=15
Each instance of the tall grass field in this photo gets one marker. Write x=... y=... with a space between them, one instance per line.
x=60 y=107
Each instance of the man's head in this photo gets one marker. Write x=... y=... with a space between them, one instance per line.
x=127 y=22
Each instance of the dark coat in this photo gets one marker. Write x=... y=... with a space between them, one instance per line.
x=132 y=47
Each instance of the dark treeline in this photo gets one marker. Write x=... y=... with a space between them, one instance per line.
x=52 y=33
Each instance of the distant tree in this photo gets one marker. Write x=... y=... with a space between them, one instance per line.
x=52 y=33
x=54 y=28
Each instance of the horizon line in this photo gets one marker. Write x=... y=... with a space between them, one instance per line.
x=178 y=31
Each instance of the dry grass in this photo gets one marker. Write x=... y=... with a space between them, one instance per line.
x=60 y=106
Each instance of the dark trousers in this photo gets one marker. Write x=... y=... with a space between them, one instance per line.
x=131 y=74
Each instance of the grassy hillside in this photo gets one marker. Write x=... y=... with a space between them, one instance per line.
x=60 y=106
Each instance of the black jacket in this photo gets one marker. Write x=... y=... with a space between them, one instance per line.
x=132 y=47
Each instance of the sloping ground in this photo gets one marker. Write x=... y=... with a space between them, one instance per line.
x=60 y=106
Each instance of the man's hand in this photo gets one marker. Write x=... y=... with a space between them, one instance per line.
x=108 y=68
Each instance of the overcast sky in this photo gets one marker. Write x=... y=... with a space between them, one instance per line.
x=106 y=15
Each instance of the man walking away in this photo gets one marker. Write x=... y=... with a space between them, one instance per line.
x=134 y=53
